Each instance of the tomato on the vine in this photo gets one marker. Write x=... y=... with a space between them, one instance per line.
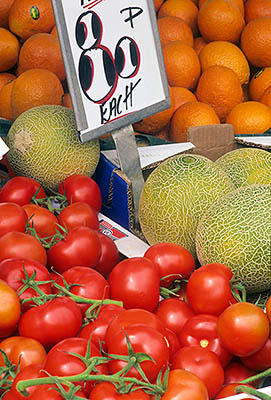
x=31 y=371
x=12 y=218
x=42 y=220
x=260 y=360
x=229 y=390
x=109 y=257
x=20 y=190
x=78 y=214
x=235 y=371
x=108 y=391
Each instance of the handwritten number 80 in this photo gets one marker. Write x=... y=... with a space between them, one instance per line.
x=99 y=69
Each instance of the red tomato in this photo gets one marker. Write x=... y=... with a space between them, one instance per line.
x=235 y=371
x=10 y=309
x=143 y=339
x=81 y=246
x=174 y=313
x=80 y=187
x=131 y=317
x=173 y=341
x=60 y=363
x=52 y=321
x=209 y=291
x=203 y=363
x=268 y=309
x=84 y=282
x=260 y=360
x=201 y=330
x=31 y=371
x=42 y=220
x=243 y=328
x=110 y=255
x=171 y=259
x=184 y=385
x=21 y=190
x=136 y=282
x=108 y=391
x=96 y=330
x=12 y=218
x=23 y=350
x=15 y=270
x=228 y=390
x=18 y=244
x=78 y=214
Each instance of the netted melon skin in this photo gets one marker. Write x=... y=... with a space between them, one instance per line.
x=44 y=145
x=175 y=196
x=237 y=232
x=247 y=166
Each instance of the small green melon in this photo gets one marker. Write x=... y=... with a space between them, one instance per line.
x=247 y=166
x=44 y=145
x=236 y=231
x=176 y=194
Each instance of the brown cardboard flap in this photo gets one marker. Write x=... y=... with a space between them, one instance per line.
x=212 y=141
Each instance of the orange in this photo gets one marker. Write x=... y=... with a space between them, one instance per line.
x=239 y=3
x=156 y=122
x=35 y=87
x=220 y=87
x=42 y=50
x=228 y=55
x=182 y=64
x=27 y=17
x=5 y=77
x=259 y=82
x=66 y=100
x=199 y=43
x=5 y=6
x=9 y=50
x=250 y=117
x=174 y=28
x=266 y=97
x=157 y=4
x=220 y=20
x=5 y=100
x=182 y=95
x=256 y=41
x=189 y=114
x=256 y=9
x=184 y=9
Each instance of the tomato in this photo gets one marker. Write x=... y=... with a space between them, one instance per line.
x=60 y=363
x=173 y=341
x=15 y=270
x=143 y=339
x=10 y=309
x=109 y=257
x=31 y=371
x=78 y=214
x=23 y=350
x=18 y=245
x=96 y=330
x=12 y=218
x=20 y=190
x=80 y=187
x=108 y=391
x=209 y=291
x=268 y=309
x=42 y=220
x=81 y=246
x=261 y=359
x=203 y=363
x=84 y=282
x=52 y=321
x=228 y=390
x=235 y=371
x=184 y=385
x=201 y=330
x=243 y=328
x=136 y=282
x=131 y=317
x=171 y=259
x=174 y=313
x=51 y=392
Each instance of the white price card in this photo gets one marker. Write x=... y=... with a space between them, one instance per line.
x=3 y=148
x=113 y=61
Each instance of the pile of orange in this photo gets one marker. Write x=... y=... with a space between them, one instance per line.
x=31 y=66
x=224 y=75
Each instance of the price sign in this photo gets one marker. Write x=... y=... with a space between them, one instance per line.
x=113 y=61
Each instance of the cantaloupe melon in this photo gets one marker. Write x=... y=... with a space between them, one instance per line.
x=247 y=166
x=44 y=145
x=176 y=194
x=236 y=231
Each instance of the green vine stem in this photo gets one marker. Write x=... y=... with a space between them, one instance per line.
x=253 y=392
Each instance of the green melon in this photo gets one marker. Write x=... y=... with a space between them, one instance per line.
x=236 y=231
x=44 y=145
x=247 y=166
x=176 y=194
